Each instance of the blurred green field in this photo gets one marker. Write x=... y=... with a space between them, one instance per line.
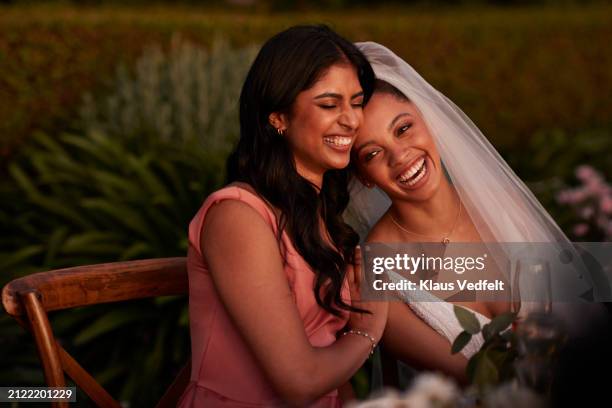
x=513 y=71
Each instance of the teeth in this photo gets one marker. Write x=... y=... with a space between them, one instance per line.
x=413 y=181
x=338 y=140
x=404 y=177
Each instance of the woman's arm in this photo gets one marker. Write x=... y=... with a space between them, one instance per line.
x=414 y=342
x=244 y=260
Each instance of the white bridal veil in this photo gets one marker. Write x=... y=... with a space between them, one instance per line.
x=501 y=206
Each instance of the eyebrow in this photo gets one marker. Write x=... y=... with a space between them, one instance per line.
x=398 y=117
x=336 y=95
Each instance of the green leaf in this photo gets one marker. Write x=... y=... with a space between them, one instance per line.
x=486 y=373
x=184 y=317
x=470 y=369
x=508 y=336
x=51 y=145
x=487 y=332
x=111 y=373
x=92 y=145
x=60 y=208
x=21 y=255
x=69 y=321
x=23 y=180
x=501 y=323
x=156 y=188
x=94 y=242
x=107 y=323
x=460 y=342
x=110 y=181
x=138 y=249
x=54 y=243
x=467 y=320
x=128 y=217
x=162 y=300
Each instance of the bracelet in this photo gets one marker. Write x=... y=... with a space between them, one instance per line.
x=364 y=334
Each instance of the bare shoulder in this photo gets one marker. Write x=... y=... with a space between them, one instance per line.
x=233 y=221
x=239 y=244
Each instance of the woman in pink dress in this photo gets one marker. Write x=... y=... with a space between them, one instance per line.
x=270 y=260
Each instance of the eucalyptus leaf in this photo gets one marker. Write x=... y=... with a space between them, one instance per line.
x=467 y=320
x=502 y=322
x=460 y=342
x=487 y=332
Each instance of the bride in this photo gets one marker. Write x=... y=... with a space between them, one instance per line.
x=442 y=182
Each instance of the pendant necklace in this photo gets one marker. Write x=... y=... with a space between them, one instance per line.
x=445 y=239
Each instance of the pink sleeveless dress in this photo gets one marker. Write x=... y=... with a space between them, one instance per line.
x=224 y=373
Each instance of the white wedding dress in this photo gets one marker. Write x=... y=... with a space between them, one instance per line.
x=440 y=316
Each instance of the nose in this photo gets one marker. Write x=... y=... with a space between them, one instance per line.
x=350 y=118
x=397 y=154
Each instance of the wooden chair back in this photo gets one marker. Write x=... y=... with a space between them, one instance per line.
x=30 y=298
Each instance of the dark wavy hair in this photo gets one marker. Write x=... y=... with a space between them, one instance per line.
x=287 y=64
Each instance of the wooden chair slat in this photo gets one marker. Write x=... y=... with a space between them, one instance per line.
x=93 y=284
x=84 y=380
x=45 y=342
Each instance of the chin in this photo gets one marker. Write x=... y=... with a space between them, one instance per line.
x=337 y=163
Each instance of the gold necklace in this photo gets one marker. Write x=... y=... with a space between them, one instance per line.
x=445 y=239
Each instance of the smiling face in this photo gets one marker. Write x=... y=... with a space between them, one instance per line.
x=322 y=124
x=395 y=150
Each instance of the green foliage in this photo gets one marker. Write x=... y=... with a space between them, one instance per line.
x=514 y=71
x=493 y=363
x=187 y=94
x=97 y=201
x=120 y=190
x=91 y=199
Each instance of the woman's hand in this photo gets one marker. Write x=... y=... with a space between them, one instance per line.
x=374 y=323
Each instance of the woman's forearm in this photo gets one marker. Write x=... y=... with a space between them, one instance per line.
x=328 y=369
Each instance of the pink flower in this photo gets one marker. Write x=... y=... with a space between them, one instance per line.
x=596 y=188
x=579 y=195
x=605 y=204
x=587 y=212
x=585 y=173
x=581 y=229
x=564 y=196
x=572 y=196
